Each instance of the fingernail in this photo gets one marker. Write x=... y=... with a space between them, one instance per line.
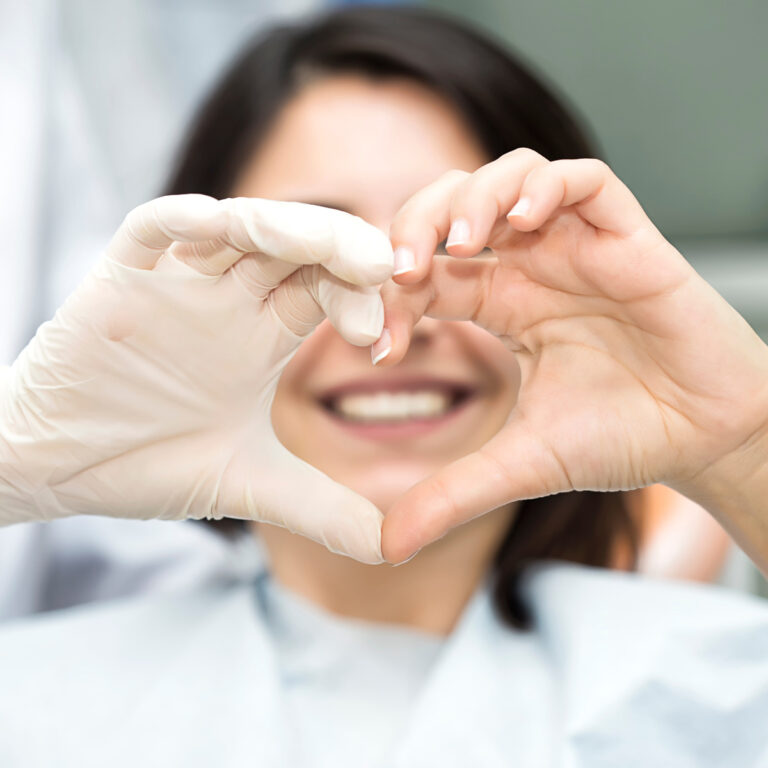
x=407 y=559
x=459 y=233
x=521 y=207
x=405 y=260
x=382 y=347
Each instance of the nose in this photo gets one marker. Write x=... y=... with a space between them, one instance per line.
x=425 y=331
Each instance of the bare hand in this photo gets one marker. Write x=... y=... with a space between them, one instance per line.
x=634 y=370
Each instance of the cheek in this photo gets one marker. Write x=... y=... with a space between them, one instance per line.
x=296 y=417
x=291 y=401
x=318 y=344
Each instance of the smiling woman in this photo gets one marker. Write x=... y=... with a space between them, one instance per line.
x=348 y=113
x=200 y=366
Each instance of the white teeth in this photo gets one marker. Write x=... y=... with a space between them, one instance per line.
x=392 y=406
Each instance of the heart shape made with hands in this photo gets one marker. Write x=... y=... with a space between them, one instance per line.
x=149 y=394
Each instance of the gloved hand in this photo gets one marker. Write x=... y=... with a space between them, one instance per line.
x=149 y=394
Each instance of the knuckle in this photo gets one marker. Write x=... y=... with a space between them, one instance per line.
x=473 y=189
x=136 y=227
x=595 y=165
x=598 y=163
x=408 y=222
x=453 y=176
x=308 y=279
x=543 y=173
x=524 y=154
x=424 y=196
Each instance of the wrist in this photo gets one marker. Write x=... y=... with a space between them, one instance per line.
x=734 y=489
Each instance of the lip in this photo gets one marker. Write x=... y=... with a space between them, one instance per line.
x=464 y=392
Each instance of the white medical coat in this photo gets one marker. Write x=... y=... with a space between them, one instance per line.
x=618 y=671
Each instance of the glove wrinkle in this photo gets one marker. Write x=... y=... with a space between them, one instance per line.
x=149 y=395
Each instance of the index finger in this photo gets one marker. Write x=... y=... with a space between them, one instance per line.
x=462 y=207
x=589 y=185
x=455 y=290
x=420 y=225
x=299 y=233
x=148 y=230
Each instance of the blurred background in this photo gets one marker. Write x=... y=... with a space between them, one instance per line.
x=95 y=96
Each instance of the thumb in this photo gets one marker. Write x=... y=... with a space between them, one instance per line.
x=301 y=498
x=516 y=464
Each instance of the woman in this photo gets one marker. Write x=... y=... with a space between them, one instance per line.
x=350 y=114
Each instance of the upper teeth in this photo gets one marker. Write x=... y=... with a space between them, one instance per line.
x=393 y=406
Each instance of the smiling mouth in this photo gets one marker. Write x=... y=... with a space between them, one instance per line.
x=424 y=404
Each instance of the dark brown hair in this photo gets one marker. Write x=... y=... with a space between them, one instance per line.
x=504 y=104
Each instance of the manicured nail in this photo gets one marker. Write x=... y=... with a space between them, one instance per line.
x=521 y=207
x=405 y=260
x=382 y=347
x=459 y=233
x=407 y=559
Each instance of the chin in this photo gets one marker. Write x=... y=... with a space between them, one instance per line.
x=385 y=484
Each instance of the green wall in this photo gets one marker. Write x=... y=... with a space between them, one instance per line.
x=675 y=90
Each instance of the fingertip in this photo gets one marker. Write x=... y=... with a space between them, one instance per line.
x=195 y=216
x=519 y=215
x=462 y=250
x=378 y=263
x=406 y=278
x=462 y=240
x=411 y=264
x=390 y=348
x=376 y=274
x=459 y=234
x=360 y=337
x=382 y=347
x=394 y=549
x=520 y=218
x=382 y=262
x=399 y=542
x=393 y=344
x=404 y=260
x=356 y=312
x=347 y=246
x=398 y=556
x=521 y=208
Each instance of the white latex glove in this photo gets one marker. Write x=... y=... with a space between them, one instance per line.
x=149 y=394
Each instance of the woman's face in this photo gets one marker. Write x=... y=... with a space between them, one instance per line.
x=365 y=147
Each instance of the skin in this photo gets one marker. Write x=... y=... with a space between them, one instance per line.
x=633 y=369
x=395 y=138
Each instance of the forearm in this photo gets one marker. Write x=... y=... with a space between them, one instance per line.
x=735 y=491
